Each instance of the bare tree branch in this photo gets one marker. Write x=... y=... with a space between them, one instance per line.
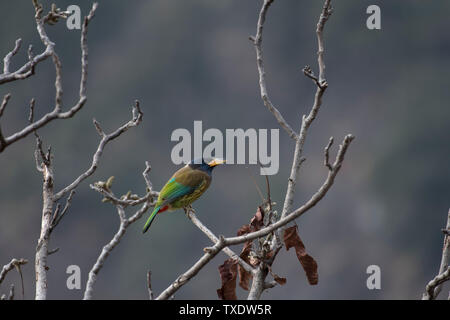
x=149 y=286
x=434 y=287
x=15 y=263
x=324 y=16
x=123 y=201
x=51 y=218
x=336 y=166
x=28 y=69
x=145 y=174
x=433 y=284
x=135 y=121
x=300 y=138
x=193 y=217
x=326 y=161
x=11 y=293
x=128 y=199
x=257 y=41
x=210 y=253
x=124 y=224
x=7 y=58
x=31 y=113
x=445 y=260
x=59 y=215
x=307 y=120
x=41 y=267
x=5 y=100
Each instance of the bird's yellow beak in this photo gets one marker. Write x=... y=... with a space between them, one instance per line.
x=216 y=162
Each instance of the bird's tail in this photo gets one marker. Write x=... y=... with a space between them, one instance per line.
x=150 y=219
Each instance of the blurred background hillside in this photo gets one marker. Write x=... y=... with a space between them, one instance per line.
x=192 y=60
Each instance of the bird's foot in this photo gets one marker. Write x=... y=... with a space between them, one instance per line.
x=189 y=210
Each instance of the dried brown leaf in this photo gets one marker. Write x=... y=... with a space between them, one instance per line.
x=280 y=280
x=257 y=222
x=277 y=278
x=228 y=274
x=243 y=230
x=292 y=239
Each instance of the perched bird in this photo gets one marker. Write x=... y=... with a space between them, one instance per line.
x=185 y=186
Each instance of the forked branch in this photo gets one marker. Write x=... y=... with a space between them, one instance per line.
x=51 y=217
x=434 y=287
x=105 y=189
x=222 y=242
x=28 y=69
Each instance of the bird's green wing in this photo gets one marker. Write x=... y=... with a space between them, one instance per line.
x=174 y=190
x=182 y=183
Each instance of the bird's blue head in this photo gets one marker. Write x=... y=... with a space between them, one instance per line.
x=205 y=164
